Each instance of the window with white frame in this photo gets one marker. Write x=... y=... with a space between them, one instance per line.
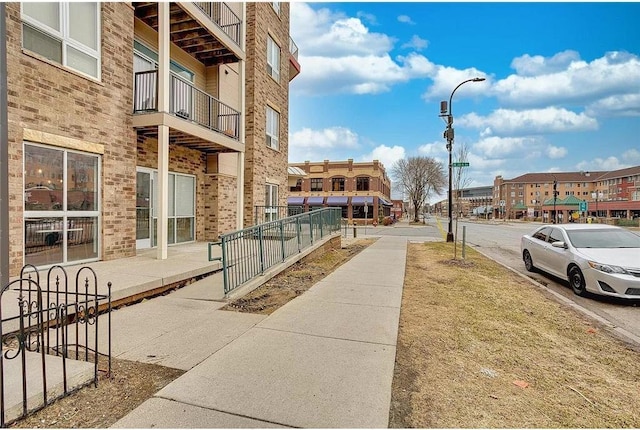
x=273 y=59
x=271 y=202
x=66 y=33
x=273 y=128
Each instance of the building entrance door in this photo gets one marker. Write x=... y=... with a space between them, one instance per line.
x=144 y=209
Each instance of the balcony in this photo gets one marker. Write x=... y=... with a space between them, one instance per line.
x=294 y=66
x=209 y=31
x=188 y=107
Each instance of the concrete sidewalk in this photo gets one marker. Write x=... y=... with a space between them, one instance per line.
x=325 y=359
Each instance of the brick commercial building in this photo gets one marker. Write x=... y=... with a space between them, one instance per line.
x=140 y=125
x=362 y=190
x=614 y=194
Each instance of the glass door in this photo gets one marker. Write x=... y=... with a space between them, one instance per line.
x=144 y=209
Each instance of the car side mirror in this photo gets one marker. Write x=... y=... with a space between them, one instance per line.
x=559 y=244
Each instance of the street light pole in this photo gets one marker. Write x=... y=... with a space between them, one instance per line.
x=448 y=134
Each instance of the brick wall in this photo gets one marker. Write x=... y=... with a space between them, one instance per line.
x=46 y=97
x=262 y=163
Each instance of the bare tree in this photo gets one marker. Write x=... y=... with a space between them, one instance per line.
x=460 y=181
x=418 y=178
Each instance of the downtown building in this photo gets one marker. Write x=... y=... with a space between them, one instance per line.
x=141 y=125
x=612 y=194
x=361 y=190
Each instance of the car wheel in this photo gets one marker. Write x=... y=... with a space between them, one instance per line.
x=51 y=239
x=528 y=261
x=576 y=280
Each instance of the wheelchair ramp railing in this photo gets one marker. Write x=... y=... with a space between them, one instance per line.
x=250 y=252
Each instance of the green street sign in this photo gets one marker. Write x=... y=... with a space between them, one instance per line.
x=583 y=206
x=459 y=164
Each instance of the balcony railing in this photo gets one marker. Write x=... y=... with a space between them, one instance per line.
x=293 y=48
x=223 y=17
x=186 y=102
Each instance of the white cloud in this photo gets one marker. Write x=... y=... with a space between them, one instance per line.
x=313 y=145
x=340 y=54
x=433 y=149
x=629 y=158
x=506 y=147
x=386 y=155
x=577 y=82
x=503 y=122
x=416 y=43
x=621 y=105
x=556 y=152
x=368 y=17
x=446 y=79
x=539 y=65
x=405 y=19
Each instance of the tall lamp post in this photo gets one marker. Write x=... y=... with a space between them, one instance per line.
x=448 y=134
x=595 y=196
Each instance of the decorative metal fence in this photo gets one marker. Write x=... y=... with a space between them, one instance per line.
x=41 y=330
x=224 y=17
x=250 y=252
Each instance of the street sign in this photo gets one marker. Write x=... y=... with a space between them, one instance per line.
x=460 y=164
x=583 y=206
x=502 y=203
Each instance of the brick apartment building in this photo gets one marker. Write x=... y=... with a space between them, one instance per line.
x=140 y=125
x=362 y=190
x=614 y=194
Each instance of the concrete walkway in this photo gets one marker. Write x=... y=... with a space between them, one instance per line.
x=325 y=359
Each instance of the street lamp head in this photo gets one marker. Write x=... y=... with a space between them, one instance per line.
x=479 y=79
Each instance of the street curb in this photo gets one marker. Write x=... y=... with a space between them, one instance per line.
x=625 y=334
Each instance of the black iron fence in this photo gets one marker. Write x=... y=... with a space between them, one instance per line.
x=223 y=17
x=186 y=102
x=250 y=252
x=41 y=330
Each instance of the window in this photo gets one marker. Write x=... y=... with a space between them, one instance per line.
x=362 y=183
x=273 y=128
x=273 y=59
x=316 y=184
x=271 y=202
x=297 y=187
x=337 y=184
x=61 y=205
x=276 y=6
x=66 y=33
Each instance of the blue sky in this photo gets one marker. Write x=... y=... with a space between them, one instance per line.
x=562 y=89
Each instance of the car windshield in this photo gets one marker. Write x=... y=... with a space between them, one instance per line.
x=605 y=238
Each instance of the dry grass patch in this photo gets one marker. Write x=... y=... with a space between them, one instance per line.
x=472 y=336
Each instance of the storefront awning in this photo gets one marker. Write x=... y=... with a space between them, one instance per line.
x=360 y=200
x=337 y=201
x=295 y=201
x=315 y=201
x=385 y=202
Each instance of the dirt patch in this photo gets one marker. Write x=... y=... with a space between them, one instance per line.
x=296 y=279
x=480 y=347
x=129 y=386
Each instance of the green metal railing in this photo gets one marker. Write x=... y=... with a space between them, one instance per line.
x=250 y=252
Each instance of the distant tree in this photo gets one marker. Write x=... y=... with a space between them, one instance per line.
x=418 y=178
x=460 y=181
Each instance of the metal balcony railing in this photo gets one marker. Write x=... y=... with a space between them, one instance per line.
x=186 y=102
x=223 y=17
x=293 y=48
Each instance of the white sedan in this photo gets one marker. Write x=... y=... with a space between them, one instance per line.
x=598 y=258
